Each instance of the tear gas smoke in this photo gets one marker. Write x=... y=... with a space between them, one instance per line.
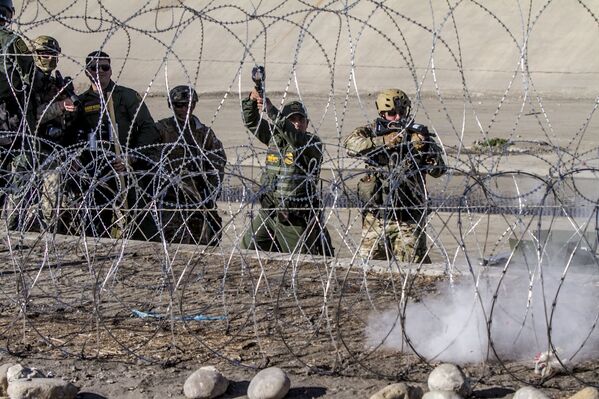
x=511 y=318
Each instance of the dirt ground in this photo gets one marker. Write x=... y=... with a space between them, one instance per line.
x=115 y=319
x=134 y=320
x=118 y=322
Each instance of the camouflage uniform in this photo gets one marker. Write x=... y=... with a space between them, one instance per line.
x=99 y=184
x=43 y=151
x=290 y=216
x=393 y=193
x=16 y=65
x=15 y=75
x=194 y=159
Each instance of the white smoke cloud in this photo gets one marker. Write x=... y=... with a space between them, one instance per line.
x=452 y=326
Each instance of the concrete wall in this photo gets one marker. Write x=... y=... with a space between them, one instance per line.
x=546 y=48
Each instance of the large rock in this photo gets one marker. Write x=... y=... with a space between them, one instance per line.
x=270 y=383
x=42 y=388
x=449 y=377
x=586 y=393
x=401 y=390
x=18 y=372
x=441 y=395
x=529 y=393
x=205 y=383
x=3 y=378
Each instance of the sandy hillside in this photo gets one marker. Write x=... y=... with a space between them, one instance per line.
x=540 y=48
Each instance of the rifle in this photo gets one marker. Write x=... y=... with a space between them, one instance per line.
x=409 y=127
x=383 y=127
x=66 y=84
x=259 y=76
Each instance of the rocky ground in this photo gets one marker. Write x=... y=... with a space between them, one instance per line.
x=140 y=329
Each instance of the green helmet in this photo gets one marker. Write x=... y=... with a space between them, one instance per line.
x=294 y=107
x=45 y=45
x=393 y=100
x=182 y=94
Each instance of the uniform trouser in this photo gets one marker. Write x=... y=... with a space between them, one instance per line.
x=36 y=190
x=383 y=238
x=107 y=209
x=278 y=231
x=184 y=226
x=9 y=122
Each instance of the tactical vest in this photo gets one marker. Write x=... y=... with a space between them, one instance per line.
x=182 y=153
x=191 y=142
x=289 y=178
x=394 y=186
x=45 y=93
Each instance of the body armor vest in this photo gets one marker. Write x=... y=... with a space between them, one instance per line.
x=289 y=178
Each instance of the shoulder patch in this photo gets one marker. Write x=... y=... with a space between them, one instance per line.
x=92 y=108
x=21 y=46
x=288 y=158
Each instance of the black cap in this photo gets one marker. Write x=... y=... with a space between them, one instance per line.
x=294 y=107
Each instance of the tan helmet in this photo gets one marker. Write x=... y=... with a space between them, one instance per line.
x=45 y=45
x=393 y=100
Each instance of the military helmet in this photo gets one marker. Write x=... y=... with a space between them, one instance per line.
x=6 y=5
x=393 y=100
x=182 y=94
x=44 y=45
x=294 y=107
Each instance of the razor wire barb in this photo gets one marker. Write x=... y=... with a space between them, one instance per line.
x=513 y=248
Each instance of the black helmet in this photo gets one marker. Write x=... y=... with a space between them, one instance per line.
x=5 y=7
x=182 y=94
x=294 y=107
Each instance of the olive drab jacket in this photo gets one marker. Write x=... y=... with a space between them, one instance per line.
x=193 y=150
x=395 y=182
x=16 y=63
x=293 y=160
x=135 y=125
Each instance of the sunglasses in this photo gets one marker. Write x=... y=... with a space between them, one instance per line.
x=46 y=53
x=181 y=105
x=392 y=113
x=104 y=68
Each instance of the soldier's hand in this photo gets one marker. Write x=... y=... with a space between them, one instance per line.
x=119 y=165
x=418 y=142
x=69 y=106
x=393 y=138
x=254 y=95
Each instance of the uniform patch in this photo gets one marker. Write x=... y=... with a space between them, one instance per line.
x=272 y=158
x=92 y=108
x=288 y=158
x=21 y=46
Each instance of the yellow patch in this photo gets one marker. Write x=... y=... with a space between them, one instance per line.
x=272 y=158
x=92 y=108
x=288 y=158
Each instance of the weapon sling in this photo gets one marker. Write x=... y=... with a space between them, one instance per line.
x=119 y=209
